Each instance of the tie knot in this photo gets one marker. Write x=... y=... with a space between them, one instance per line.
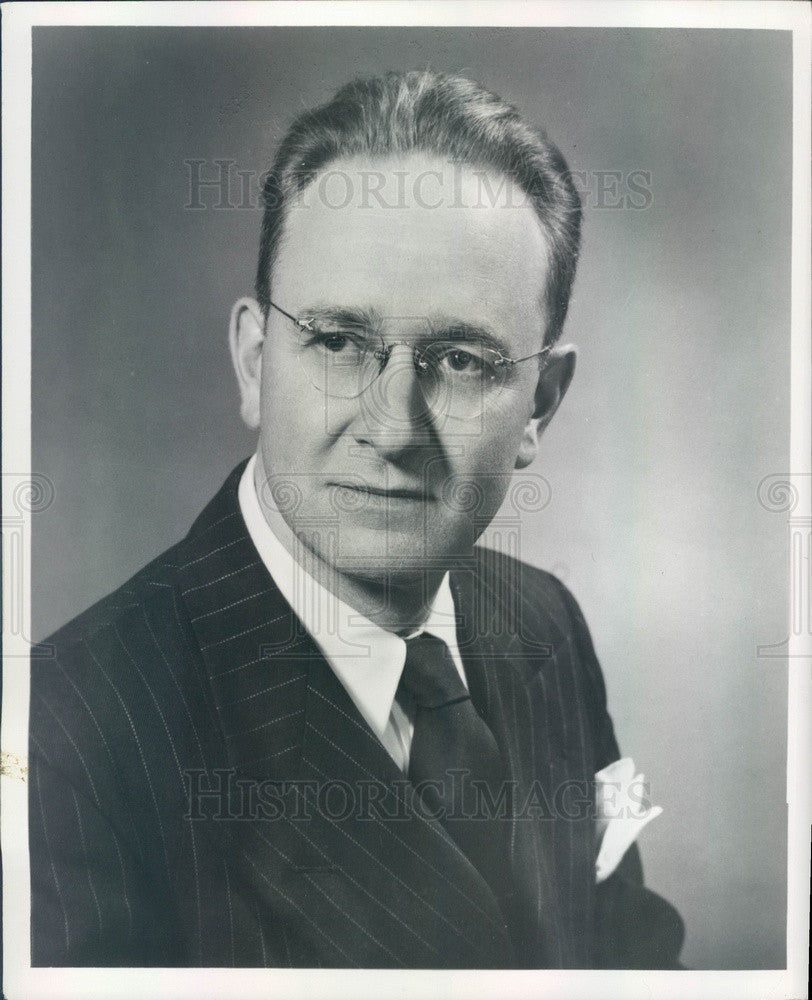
x=430 y=675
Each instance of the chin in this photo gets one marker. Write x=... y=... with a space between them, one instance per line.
x=405 y=571
x=387 y=556
x=391 y=563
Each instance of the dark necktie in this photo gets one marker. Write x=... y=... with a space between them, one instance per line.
x=452 y=747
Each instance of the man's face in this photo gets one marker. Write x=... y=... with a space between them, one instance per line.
x=376 y=484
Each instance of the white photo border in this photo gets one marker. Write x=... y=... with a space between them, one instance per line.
x=21 y=982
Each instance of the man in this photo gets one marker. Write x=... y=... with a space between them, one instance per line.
x=325 y=729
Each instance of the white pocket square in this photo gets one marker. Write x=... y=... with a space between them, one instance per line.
x=622 y=810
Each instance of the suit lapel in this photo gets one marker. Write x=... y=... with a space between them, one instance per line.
x=254 y=649
x=517 y=660
x=327 y=833
x=436 y=907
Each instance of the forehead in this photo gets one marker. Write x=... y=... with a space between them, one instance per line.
x=414 y=236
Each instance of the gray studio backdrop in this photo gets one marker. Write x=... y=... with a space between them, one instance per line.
x=679 y=408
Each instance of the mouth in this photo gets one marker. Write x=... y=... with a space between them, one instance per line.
x=388 y=493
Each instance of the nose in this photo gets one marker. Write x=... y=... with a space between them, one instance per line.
x=393 y=413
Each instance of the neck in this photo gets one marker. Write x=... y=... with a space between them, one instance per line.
x=395 y=601
x=398 y=606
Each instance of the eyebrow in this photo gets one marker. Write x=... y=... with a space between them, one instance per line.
x=461 y=330
x=439 y=328
x=345 y=316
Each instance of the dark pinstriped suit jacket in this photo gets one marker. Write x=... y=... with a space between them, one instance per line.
x=197 y=671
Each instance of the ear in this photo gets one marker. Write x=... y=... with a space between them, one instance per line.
x=554 y=380
x=246 y=336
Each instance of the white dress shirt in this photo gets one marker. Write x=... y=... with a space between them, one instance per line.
x=367 y=659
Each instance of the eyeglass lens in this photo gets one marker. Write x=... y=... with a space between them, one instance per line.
x=456 y=379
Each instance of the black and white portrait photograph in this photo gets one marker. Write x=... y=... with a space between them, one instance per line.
x=406 y=500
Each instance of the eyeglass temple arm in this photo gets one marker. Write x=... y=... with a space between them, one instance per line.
x=388 y=347
x=516 y=361
x=305 y=325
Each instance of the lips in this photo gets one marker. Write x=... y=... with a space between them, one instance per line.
x=389 y=492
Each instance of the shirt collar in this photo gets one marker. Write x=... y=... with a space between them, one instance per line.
x=367 y=659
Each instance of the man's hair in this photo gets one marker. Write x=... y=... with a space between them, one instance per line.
x=450 y=117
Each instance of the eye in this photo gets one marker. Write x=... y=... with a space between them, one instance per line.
x=463 y=361
x=333 y=341
x=469 y=362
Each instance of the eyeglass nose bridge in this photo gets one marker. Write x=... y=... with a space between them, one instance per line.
x=383 y=353
x=421 y=412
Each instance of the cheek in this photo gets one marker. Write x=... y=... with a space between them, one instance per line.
x=482 y=467
x=299 y=417
x=276 y=404
x=493 y=446
x=283 y=432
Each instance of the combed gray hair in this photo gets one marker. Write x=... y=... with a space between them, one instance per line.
x=448 y=116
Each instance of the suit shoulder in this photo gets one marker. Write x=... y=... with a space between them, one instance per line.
x=535 y=586
x=107 y=683
x=159 y=573
x=536 y=604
